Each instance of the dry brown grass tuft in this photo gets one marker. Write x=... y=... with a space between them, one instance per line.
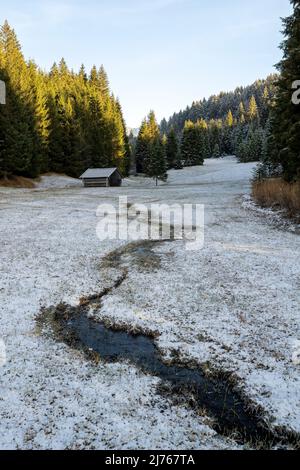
x=17 y=182
x=277 y=193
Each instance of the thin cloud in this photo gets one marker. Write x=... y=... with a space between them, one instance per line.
x=243 y=29
x=53 y=13
x=150 y=5
x=56 y=12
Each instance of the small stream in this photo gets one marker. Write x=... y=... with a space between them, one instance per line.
x=231 y=415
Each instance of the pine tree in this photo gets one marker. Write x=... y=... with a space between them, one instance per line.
x=251 y=149
x=172 y=149
x=242 y=152
x=265 y=106
x=194 y=144
x=286 y=119
x=157 y=165
x=239 y=136
x=61 y=121
x=215 y=136
x=216 y=109
x=38 y=98
x=254 y=146
x=253 y=115
x=148 y=134
x=82 y=73
x=17 y=120
x=267 y=168
x=188 y=143
x=118 y=137
x=153 y=126
x=229 y=119
x=227 y=134
x=103 y=82
x=242 y=114
x=216 y=151
x=94 y=76
x=128 y=152
x=142 y=148
x=178 y=165
x=202 y=139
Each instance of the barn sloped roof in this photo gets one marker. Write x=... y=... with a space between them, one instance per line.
x=98 y=173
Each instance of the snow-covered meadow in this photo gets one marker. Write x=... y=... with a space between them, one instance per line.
x=233 y=306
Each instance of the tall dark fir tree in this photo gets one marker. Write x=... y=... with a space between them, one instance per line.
x=157 y=164
x=172 y=150
x=285 y=148
x=60 y=121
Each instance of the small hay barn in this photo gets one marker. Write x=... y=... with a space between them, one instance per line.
x=101 y=177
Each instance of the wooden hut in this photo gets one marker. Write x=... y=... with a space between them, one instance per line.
x=101 y=177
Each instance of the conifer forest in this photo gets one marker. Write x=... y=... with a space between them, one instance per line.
x=150 y=232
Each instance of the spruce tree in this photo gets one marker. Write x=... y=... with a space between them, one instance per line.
x=228 y=134
x=157 y=165
x=127 y=147
x=178 y=164
x=286 y=116
x=148 y=134
x=103 y=82
x=215 y=137
x=202 y=149
x=142 y=148
x=229 y=119
x=172 y=149
x=217 y=108
x=17 y=119
x=188 y=143
x=265 y=106
x=254 y=146
x=118 y=137
x=94 y=76
x=195 y=143
x=242 y=114
x=38 y=98
x=216 y=151
x=82 y=73
x=253 y=115
x=61 y=121
x=251 y=149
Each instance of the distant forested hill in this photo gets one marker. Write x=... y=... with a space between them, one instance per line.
x=234 y=122
x=217 y=106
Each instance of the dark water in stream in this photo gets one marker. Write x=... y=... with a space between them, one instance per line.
x=231 y=415
x=230 y=411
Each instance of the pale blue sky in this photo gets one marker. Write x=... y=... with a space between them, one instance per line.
x=159 y=54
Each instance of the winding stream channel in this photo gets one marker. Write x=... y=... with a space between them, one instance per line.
x=231 y=413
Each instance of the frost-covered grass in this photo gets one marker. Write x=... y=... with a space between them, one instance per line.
x=53 y=181
x=275 y=216
x=234 y=305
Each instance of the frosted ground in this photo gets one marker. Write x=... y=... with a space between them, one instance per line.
x=234 y=307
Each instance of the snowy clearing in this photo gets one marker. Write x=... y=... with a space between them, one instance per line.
x=57 y=182
x=234 y=306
